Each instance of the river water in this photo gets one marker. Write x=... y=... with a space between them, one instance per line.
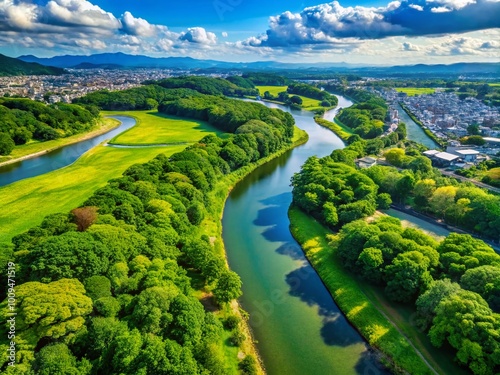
x=59 y=158
x=298 y=327
x=415 y=132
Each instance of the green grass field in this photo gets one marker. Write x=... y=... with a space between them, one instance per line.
x=307 y=103
x=361 y=303
x=30 y=200
x=412 y=91
x=155 y=128
x=33 y=147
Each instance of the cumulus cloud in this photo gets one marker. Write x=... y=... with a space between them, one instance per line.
x=224 y=34
x=198 y=35
x=327 y=23
x=80 y=26
x=409 y=47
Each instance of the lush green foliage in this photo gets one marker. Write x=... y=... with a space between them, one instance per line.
x=144 y=97
x=407 y=263
x=313 y=92
x=266 y=79
x=205 y=85
x=139 y=261
x=23 y=120
x=333 y=192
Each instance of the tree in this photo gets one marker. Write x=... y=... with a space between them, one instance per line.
x=407 y=276
x=423 y=191
x=370 y=261
x=6 y=144
x=384 y=201
x=442 y=199
x=395 y=156
x=51 y=310
x=465 y=320
x=296 y=100
x=57 y=359
x=473 y=129
x=430 y=300
x=84 y=217
x=228 y=287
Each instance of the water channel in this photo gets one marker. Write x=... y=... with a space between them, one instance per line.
x=415 y=132
x=59 y=158
x=298 y=327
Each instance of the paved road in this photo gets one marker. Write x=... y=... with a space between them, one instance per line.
x=477 y=183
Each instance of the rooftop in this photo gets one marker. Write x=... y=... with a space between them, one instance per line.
x=467 y=152
x=446 y=156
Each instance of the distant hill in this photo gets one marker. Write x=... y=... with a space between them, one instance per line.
x=130 y=61
x=15 y=67
x=87 y=65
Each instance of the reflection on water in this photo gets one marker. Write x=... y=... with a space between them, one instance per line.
x=299 y=328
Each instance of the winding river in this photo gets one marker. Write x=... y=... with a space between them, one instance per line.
x=415 y=132
x=59 y=158
x=298 y=327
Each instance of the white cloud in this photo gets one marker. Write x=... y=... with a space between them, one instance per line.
x=409 y=47
x=198 y=35
x=420 y=8
x=441 y=10
x=224 y=34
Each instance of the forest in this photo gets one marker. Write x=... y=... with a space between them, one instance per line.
x=114 y=286
x=24 y=120
x=309 y=91
x=453 y=285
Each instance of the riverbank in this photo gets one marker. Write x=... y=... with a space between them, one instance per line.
x=213 y=225
x=396 y=351
x=37 y=149
x=419 y=123
x=342 y=131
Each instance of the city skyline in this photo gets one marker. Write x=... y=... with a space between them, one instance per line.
x=374 y=32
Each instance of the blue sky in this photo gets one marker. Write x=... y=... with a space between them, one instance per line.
x=375 y=32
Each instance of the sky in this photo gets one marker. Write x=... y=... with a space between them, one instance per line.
x=371 y=32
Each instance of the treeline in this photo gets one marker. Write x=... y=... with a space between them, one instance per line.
x=266 y=79
x=367 y=116
x=230 y=114
x=205 y=85
x=138 y=98
x=455 y=284
x=309 y=91
x=23 y=120
x=109 y=288
x=426 y=190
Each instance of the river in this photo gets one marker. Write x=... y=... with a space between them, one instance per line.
x=59 y=158
x=299 y=328
x=415 y=132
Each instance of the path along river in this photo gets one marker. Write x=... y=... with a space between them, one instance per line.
x=298 y=327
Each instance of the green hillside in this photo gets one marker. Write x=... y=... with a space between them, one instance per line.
x=14 y=67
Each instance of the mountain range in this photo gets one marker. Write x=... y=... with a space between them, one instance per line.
x=121 y=60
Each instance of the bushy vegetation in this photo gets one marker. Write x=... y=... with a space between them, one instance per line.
x=426 y=190
x=309 y=91
x=266 y=79
x=411 y=266
x=205 y=85
x=139 y=98
x=23 y=120
x=118 y=276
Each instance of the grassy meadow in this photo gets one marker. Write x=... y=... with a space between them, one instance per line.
x=307 y=103
x=367 y=308
x=412 y=91
x=156 y=128
x=30 y=200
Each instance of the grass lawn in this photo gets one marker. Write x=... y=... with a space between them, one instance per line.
x=355 y=299
x=307 y=103
x=155 y=128
x=412 y=91
x=337 y=127
x=105 y=125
